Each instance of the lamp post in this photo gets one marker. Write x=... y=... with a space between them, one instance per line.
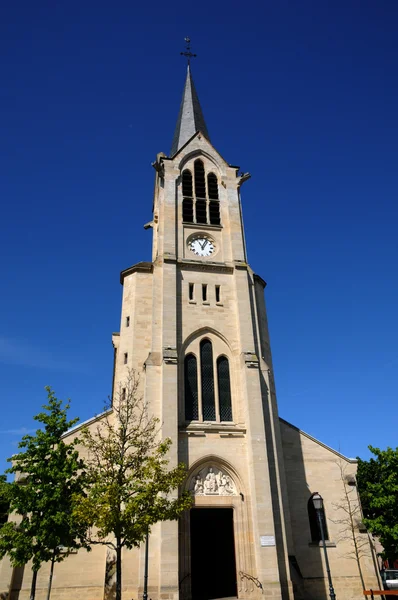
x=318 y=505
x=145 y=594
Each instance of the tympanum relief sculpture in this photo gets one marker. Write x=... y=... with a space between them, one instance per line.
x=211 y=481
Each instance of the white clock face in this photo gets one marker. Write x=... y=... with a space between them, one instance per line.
x=201 y=246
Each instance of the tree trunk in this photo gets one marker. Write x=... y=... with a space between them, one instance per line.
x=50 y=579
x=360 y=573
x=118 y=569
x=33 y=586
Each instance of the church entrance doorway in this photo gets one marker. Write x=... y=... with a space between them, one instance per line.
x=213 y=569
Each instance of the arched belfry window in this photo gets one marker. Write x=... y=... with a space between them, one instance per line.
x=208 y=397
x=316 y=535
x=200 y=192
x=224 y=389
x=214 y=203
x=187 y=192
x=200 y=184
x=201 y=203
x=191 y=387
x=207 y=377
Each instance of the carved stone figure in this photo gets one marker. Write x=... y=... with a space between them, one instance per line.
x=222 y=484
x=229 y=486
x=212 y=482
x=198 y=486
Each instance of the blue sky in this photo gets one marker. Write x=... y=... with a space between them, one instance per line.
x=301 y=94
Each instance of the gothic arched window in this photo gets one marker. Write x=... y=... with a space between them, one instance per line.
x=316 y=535
x=224 y=389
x=187 y=192
x=207 y=398
x=200 y=184
x=200 y=203
x=207 y=377
x=200 y=192
x=214 y=204
x=191 y=388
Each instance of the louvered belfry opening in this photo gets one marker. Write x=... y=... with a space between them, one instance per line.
x=200 y=184
x=200 y=192
x=224 y=389
x=203 y=206
x=208 y=399
x=214 y=203
x=191 y=388
x=187 y=193
x=207 y=376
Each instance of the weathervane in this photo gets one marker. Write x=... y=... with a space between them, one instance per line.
x=188 y=52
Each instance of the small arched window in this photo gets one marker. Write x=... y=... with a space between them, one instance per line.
x=224 y=389
x=316 y=534
x=187 y=192
x=191 y=388
x=207 y=376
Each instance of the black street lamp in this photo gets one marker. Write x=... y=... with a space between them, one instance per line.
x=318 y=505
x=145 y=594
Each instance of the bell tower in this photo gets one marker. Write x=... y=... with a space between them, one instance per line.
x=194 y=319
x=194 y=326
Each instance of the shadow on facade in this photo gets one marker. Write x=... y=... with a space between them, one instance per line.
x=306 y=554
x=15 y=585
x=290 y=491
x=300 y=561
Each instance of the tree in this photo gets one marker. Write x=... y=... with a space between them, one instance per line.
x=349 y=508
x=129 y=487
x=4 y=500
x=378 y=487
x=47 y=477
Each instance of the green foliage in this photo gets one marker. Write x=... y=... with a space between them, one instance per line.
x=129 y=485
x=4 y=500
x=378 y=487
x=47 y=477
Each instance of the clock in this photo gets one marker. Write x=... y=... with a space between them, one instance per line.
x=201 y=245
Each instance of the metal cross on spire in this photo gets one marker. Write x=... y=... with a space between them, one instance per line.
x=188 y=52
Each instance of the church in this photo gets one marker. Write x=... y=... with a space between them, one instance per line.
x=194 y=321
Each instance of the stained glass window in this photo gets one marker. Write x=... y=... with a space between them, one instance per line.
x=191 y=388
x=207 y=374
x=224 y=389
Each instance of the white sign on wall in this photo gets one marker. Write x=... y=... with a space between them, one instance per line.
x=267 y=540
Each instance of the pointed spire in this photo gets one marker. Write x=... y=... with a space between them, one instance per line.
x=190 y=118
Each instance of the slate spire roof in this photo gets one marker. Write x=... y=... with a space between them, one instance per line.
x=190 y=118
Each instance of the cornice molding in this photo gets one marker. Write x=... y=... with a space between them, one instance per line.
x=198 y=265
x=259 y=280
x=141 y=267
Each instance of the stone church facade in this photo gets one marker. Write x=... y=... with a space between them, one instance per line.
x=194 y=321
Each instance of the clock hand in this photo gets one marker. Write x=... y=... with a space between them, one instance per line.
x=203 y=247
